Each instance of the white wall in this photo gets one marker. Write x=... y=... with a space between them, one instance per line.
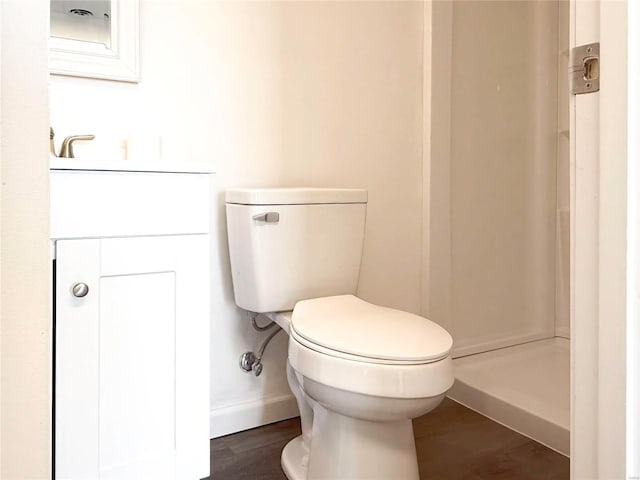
x=493 y=172
x=25 y=317
x=274 y=93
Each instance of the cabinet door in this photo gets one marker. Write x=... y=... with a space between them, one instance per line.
x=132 y=358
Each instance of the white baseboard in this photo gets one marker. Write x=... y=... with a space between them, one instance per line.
x=246 y=415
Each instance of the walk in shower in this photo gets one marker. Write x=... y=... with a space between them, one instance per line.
x=499 y=202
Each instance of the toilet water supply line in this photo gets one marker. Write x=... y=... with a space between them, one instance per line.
x=250 y=361
x=252 y=316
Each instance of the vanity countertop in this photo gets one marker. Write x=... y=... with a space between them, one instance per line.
x=129 y=166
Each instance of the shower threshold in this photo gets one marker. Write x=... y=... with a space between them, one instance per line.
x=524 y=387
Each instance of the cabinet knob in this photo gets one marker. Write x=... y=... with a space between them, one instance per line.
x=80 y=289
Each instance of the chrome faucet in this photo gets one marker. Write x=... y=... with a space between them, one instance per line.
x=66 y=150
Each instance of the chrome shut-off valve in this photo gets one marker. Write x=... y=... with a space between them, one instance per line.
x=250 y=363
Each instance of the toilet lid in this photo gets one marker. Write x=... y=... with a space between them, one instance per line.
x=350 y=325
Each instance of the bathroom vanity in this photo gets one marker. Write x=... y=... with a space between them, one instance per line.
x=131 y=322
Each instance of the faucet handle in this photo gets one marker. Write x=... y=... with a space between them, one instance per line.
x=52 y=147
x=66 y=150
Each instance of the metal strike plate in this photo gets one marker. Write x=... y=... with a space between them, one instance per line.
x=267 y=217
x=584 y=69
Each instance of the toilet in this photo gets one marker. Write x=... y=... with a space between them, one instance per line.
x=360 y=372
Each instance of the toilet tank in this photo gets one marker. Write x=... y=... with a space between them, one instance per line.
x=291 y=244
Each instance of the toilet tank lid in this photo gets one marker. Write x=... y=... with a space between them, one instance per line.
x=295 y=196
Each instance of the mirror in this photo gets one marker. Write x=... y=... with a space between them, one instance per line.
x=95 y=38
x=82 y=21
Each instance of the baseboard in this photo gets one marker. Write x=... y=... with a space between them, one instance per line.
x=243 y=416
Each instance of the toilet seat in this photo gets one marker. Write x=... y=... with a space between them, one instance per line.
x=347 y=327
x=354 y=358
x=368 y=378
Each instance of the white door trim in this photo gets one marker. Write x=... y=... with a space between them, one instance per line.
x=599 y=250
x=584 y=28
x=633 y=246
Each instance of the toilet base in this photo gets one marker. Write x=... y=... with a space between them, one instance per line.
x=351 y=449
x=291 y=461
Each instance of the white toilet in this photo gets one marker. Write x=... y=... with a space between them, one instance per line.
x=360 y=372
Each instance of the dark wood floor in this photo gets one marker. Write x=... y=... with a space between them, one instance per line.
x=453 y=443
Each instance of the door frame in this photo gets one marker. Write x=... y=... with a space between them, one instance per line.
x=604 y=272
x=25 y=293
x=633 y=242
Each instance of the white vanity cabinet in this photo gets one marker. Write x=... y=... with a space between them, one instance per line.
x=131 y=324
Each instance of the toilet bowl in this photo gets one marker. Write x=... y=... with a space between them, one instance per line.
x=359 y=372
x=356 y=408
